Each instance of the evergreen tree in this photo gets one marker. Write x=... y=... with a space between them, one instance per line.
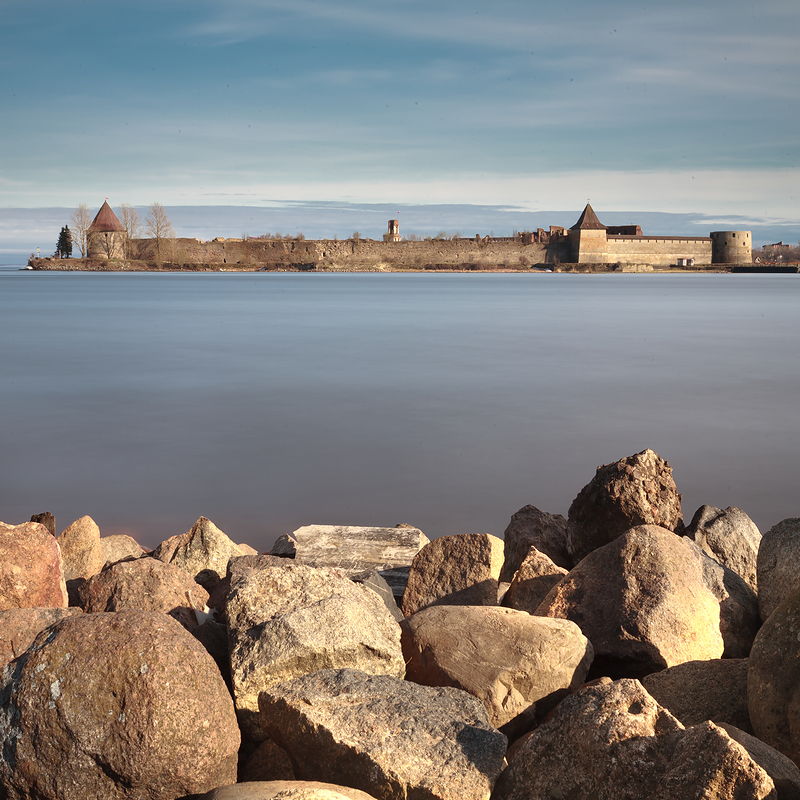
x=64 y=246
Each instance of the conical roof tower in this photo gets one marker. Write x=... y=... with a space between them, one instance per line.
x=588 y=221
x=106 y=220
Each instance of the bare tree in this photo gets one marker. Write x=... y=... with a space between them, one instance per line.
x=158 y=227
x=81 y=220
x=131 y=223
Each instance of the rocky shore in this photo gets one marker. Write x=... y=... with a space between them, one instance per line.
x=617 y=653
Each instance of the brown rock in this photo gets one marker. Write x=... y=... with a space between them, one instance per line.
x=31 y=573
x=239 y=567
x=117 y=706
x=81 y=551
x=355 y=549
x=291 y=619
x=508 y=659
x=530 y=527
x=46 y=519
x=778 y=565
x=730 y=537
x=385 y=736
x=612 y=741
x=457 y=570
x=643 y=602
x=536 y=576
x=697 y=691
x=247 y=550
x=773 y=679
x=783 y=771
x=637 y=490
x=268 y=762
x=145 y=584
x=119 y=547
x=203 y=551
x=287 y=790
x=20 y=626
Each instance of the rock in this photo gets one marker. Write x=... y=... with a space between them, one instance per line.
x=773 y=679
x=290 y=620
x=528 y=528
x=247 y=550
x=612 y=741
x=20 y=626
x=375 y=581
x=146 y=584
x=783 y=771
x=536 y=576
x=237 y=568
x=115 y=707
x=31 y=572
x=268 y=762
x=778 y=565
x=637 y=490
x=354 y=549
x=81 y=553
x=46 y=519
x=120 y=547
x=738 y=604
x=728 y=536
x=460 y=570
x=697 y=691
x=287 y=790
x=203 y=551
x=643 y=602
x=385 y=736
x=508 y=659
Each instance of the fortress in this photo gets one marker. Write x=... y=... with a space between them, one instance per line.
x=587 y=242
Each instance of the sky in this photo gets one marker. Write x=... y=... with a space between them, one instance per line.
x=529 y=105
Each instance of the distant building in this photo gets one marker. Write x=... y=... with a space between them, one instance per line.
x=777 y=247
x=106 y=236
x=393 y=232
x=588 y=241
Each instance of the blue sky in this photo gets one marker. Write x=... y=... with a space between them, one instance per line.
x=671 y=107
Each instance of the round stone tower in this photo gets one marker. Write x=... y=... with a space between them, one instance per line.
x=731 y=247
x=106 y=236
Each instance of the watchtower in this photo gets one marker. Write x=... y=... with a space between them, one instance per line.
x=731 y=247
x=588 y=238
x=106 y=236
x=393 y=231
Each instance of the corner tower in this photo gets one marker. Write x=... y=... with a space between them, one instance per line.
x=588 y=238
x=106 y=236
x=731 y=247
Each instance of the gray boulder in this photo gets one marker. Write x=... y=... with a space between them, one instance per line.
x=778 y=565
x=391 y=738
x=530 y=527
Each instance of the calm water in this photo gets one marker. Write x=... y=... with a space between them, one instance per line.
x=267 y=401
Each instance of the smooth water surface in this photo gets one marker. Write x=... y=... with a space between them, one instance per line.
x=267 y=401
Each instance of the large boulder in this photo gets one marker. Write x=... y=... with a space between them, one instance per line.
x=31 y=571
x=120 y=706
x=146 y=584
x=536 y=576
x=697 y=691
x=20 y=626
x=637 y=490
x=355 y=549
x=119 y=547
x=530 y=527
x=203 y=551
x=612 y=741
x=290 y=620
x=778 y=565
x=643 y=602
x=47 y=519
x=286 y=790
x=783 y=771
x=81 y=551
x=738 y=605
x=729 y=536
x=508 y=659
x=773 y=679
x=391 y=738
x=459 y=570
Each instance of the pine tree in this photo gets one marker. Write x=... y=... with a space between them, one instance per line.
x=64 y=246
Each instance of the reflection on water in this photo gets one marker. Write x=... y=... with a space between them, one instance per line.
x=267 y=401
